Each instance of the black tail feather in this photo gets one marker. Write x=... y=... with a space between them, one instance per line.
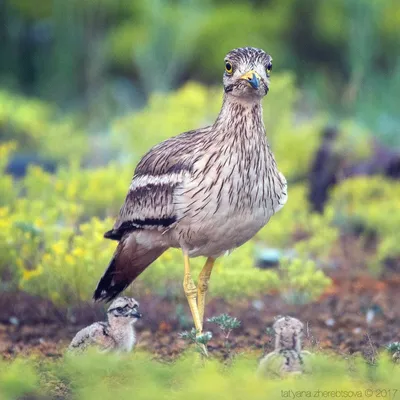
x=129 y=261
x=107 y=289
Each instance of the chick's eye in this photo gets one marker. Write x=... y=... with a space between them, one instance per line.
x=228 y=67
x=269 y=68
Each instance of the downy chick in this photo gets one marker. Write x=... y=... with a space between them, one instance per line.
x=287 y=358
x=117 y=334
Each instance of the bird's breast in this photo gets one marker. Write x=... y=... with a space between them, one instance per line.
x=228 y=199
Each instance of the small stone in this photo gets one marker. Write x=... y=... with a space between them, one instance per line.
x=370 y=316
x=330 y=322
x=14 y=321
x=258 y=305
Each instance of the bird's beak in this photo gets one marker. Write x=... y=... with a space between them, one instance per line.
x=136 y=314
x=253 y=78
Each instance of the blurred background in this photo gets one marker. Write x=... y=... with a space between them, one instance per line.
x=86 y=87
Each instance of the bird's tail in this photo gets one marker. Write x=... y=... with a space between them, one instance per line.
x=129 y=261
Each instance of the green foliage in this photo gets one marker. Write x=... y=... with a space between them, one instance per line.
x=113 y=376
x=234 y=275
x=69 y=268
x=46 y=247
x=167 y=115
x=310 y=234
x=394 y=347
x=225 y=322
x=302 y=281
x=97 y=192
x=199 y=340
x=369 y=205
x=34 y=126
x=292 y=143
x=17 y=379
x=8 y=192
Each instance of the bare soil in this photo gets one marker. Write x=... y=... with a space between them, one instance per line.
x=357 y=315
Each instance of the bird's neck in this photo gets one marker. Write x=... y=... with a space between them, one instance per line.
x=240 y=114
x=121 y=330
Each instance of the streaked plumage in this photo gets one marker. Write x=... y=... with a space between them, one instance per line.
x=206 y=191
x=116 y=334
x=288 y=356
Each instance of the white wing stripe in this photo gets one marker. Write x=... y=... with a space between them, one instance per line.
x=140 y=181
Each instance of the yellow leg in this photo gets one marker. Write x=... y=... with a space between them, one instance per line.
x=191 y=293
x=202 y=286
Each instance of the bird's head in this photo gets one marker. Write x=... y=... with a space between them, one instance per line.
x=247 y=72
x=289 y=332
x=124 y=310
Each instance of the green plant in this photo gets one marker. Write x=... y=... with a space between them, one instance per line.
x=200 y=340
x=394 y=350
x=367 y=206
x=310 y=234
x=166 y=115
x=234 y=275
x=69 y=267
x=302 y=281
x=36 y=127
x=8 y=188
x=17 y=379
x=110 y=376
x=226 y=324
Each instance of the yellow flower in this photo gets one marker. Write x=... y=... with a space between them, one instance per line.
x=3 y=212
x=58 y=248
x=39 y=222
x=78 y=252
x=69 y=259
x=28 y=274
x=4 y=224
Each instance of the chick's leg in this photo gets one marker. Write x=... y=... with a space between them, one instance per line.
x=202 y=286
x=191 y=294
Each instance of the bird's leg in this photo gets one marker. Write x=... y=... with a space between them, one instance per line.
x=202 y=286
x=191 y=293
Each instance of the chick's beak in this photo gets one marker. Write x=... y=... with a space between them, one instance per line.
x=253 y=78
x=136 y=314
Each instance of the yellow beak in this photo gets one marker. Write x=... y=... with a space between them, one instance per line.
x=253 y=78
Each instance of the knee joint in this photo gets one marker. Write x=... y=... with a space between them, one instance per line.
x=203 y=286
x=189 y=287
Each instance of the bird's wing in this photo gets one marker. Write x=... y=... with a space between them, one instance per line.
x=149 y=205
x=82 y=339
x=149 y=202
x=95 y=334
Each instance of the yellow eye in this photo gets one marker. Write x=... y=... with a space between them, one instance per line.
x=269 y=68
x=228 y=68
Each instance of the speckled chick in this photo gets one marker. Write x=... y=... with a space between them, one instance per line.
x=117 y=334
x=287 y=358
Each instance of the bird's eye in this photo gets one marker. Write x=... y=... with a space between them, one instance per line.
x=120 y=309
x=269 y=68
x=228 y=67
